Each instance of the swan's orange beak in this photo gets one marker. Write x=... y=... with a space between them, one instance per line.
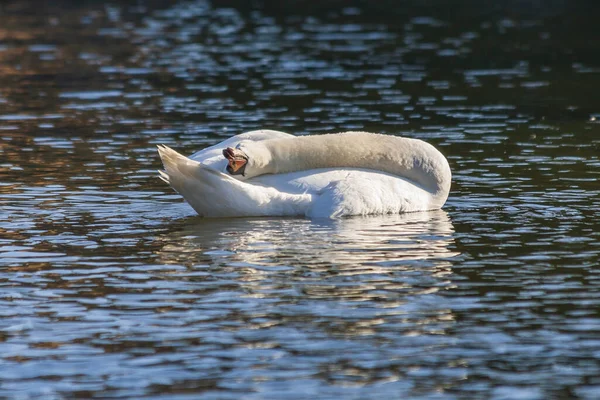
x=237 y=161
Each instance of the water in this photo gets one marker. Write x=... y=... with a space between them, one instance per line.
x=111 y=287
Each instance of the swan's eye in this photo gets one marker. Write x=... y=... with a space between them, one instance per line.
x=237 y=161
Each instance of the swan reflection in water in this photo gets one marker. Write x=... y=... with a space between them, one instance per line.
x=362 y=274
x=378 y=240
x=357 y=246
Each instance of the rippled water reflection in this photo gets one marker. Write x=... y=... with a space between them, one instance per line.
x=112 y=287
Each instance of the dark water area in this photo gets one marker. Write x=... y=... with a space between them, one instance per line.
x=111 y=287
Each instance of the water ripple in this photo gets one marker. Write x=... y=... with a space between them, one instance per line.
x=111 y=286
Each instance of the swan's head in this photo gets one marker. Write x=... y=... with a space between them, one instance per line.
x=248 y=159
x=238 y=160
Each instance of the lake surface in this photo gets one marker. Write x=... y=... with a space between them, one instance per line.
x=111 y=287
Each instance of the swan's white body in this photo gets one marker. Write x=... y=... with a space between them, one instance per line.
x=318 y=192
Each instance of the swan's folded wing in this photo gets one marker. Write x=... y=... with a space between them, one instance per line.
x=364 y=192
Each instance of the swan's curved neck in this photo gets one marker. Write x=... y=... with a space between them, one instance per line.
x=412 y=159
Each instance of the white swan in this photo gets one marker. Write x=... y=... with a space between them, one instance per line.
x=271 y=173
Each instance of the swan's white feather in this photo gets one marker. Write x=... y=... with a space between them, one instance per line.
x=214 y=194
x=317 y=193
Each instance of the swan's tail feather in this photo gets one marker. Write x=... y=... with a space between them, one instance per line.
x=215 y=194
x=172 y=161
x=163 y=176
x=168 y=157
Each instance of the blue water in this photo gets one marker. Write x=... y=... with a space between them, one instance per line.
x=112 y=287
